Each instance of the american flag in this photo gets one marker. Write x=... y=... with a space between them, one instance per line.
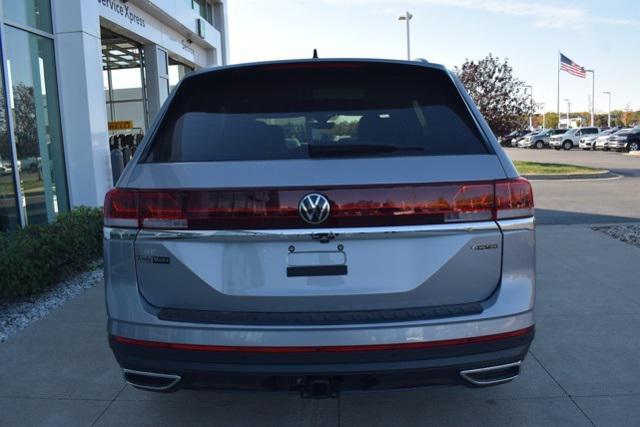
x=571 y=67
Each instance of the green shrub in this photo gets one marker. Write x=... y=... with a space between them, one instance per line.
x=38 y=256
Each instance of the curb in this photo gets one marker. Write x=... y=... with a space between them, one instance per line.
x=591 y=175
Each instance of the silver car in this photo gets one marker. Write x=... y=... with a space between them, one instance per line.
x=540 y=139
x=392 y=246
x=602 y=142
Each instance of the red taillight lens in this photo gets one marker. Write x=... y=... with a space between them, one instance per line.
x=121 y=208
x=350 y=207
x=514 y=199
x=163 y=209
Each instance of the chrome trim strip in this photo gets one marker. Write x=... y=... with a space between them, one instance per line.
x=517 y=224
x=319 y=233
x=466 y=374
x=111 y=233
x=175 y=379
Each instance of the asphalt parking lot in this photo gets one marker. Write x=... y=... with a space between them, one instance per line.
x=582 y=368
x=612 y=200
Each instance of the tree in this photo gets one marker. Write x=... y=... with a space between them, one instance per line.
x=26 y=130
x=499 y=95
x=551 y=120
x=627 y=115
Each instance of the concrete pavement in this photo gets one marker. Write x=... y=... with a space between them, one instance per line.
x=582 y=368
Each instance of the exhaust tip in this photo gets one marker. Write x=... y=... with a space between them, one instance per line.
x=151 y=380
x=492 y=375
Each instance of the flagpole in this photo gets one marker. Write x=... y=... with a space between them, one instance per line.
x=558 y=104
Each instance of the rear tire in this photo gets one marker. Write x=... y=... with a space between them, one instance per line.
x=567 y=145
x=539 y=145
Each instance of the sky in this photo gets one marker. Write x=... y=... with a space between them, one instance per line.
x=596 y=34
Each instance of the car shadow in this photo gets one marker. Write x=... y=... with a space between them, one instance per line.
x=559 y=217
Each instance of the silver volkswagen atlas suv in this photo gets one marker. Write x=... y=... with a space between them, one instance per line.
x=318 y=226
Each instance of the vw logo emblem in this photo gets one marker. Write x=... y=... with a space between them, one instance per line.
x=314 y=208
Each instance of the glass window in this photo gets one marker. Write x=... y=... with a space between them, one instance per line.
x=308 y=111
x=8 y=203
x=34 y=13
x=204 y=10
x=33 y=99
x=162 y=62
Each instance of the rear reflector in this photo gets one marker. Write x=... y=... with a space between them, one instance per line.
x=350 y=207
x=326 y=349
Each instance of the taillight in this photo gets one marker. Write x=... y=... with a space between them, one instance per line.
x=514 y=199
x=350 y=207
x=121 y=208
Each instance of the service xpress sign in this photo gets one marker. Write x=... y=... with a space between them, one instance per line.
x=122 y=9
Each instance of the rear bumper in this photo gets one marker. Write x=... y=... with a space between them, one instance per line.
x=508 y=309
x=350 y=369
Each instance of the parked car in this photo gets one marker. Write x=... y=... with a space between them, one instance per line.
x=401 y=257
x=588 y=142
x=571 y=138
x=511 y=139
x=539 y=140
x=516 y=141
x=625 y=141
x=602 y=142
x=5 y=167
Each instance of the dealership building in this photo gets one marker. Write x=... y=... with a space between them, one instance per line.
x=80 y=78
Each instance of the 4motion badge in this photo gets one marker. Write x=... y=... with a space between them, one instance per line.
x=484 y=247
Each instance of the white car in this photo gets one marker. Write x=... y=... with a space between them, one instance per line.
x=516 y=142
x=588 y=142
x=5 y=168
x=571 y=138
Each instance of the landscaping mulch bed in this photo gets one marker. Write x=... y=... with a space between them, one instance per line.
x=626 y=233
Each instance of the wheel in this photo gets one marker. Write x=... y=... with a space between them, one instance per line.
x=539 y=145
x=634 y=146
x=567 y=145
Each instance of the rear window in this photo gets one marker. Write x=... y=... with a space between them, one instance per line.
x=310 y=110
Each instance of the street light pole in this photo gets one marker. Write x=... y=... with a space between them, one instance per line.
x=568 y=113
x=531 y=103
x=407 y=17
x=544 y=121
x=609 y=113
x=593 y=92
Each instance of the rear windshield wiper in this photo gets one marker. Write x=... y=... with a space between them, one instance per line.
x=319 y=150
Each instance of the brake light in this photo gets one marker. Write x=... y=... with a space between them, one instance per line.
x=514 y=199
x=312 y=65
x=350 y=207
x=121 y=209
